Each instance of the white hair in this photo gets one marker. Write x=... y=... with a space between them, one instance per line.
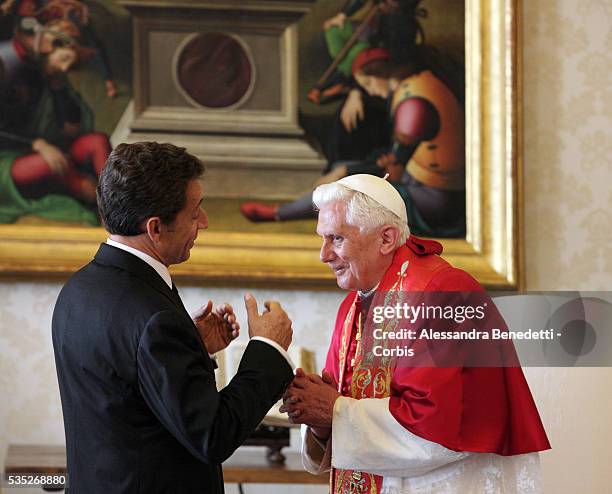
x=361 y=209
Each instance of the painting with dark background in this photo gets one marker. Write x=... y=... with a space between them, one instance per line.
x=65 y=77
x=233 y=82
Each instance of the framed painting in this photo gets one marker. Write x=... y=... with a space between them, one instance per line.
x=258 y=131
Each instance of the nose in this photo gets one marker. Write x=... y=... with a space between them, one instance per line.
x=327 y=253
x=202 y=220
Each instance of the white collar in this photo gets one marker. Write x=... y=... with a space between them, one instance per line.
x=361 y=294
x=159 y=268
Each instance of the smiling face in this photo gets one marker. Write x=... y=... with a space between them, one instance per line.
x=180 y=235
x=354 y=255
x=373 y=85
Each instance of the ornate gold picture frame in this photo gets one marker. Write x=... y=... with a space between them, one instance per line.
x=491 y=250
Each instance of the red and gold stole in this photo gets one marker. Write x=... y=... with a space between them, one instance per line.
x=371 y=376
x=367 y=380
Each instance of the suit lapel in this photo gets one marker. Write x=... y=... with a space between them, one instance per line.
x=178 y=299
x=112 y=256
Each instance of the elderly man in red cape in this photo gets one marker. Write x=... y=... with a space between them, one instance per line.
x=392 y=430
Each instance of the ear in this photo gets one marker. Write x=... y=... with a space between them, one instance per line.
x=389 y=235
x=153 y=227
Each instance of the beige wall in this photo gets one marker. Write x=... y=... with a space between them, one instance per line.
x=568 y=216
x=568 y=219
x=568 y=143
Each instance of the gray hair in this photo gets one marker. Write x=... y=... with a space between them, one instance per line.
x=361 y=209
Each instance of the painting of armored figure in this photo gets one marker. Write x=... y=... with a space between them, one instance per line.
x=54 y=128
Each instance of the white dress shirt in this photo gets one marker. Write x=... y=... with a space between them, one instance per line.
x=159 y=268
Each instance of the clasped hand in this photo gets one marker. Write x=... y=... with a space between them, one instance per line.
x=217 y=328
x=310 y=400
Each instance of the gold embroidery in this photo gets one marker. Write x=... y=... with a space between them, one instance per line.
x=346 y=335
x=355 y=482
x=368 y=381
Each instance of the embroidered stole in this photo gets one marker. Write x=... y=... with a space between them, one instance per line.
x=368 y=380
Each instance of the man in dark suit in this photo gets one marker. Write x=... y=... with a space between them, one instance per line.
x=142 y=413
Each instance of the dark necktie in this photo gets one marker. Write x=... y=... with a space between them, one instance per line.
x=177 y=298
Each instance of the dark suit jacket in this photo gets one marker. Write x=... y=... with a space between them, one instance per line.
x=142 y=413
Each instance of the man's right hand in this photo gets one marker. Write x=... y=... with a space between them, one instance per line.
x=336 y=174
x=52 y=155
x=273 y=324
x=352 y=111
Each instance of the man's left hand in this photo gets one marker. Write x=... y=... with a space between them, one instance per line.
x=217 y=328
x=310 y=400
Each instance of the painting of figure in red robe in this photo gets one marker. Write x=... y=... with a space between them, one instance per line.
x=64 y=83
